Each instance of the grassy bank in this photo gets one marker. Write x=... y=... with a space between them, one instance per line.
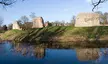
x=61 y=34
x=10 y=35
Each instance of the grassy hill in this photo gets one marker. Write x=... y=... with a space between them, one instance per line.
x=61 y=34
x=11 y=34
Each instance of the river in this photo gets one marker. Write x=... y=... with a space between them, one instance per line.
x=12 y=53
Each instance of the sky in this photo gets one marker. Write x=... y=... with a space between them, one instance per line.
x=50 y=10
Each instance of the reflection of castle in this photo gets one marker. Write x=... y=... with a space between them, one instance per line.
x=38 y=52
x=87 y=54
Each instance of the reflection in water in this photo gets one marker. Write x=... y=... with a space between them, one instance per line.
x=17 y=48
x=88 y=54
x=38 y=52
x=51 y=54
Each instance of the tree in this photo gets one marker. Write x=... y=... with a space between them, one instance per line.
x=4 y=27
x=9 y=27
x=1 y=21
x=73 y=20
x=63 y=23
x=49 y=23
x=24 y=19
x=24 y=23
x=102 y=18
x=105 y=17
x=20 y=23
x=32 y=15
x=8 y=2
x=99 y=12
x=57 y=23
x=95 y=3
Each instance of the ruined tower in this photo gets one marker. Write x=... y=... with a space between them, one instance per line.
x=38 y=22
x=87 y=20
x=16 y=26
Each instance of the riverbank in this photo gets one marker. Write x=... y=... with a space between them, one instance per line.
x=60 y=34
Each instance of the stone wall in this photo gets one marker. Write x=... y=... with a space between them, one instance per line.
x=38 y=22
x=16 y=26
x=87 y=20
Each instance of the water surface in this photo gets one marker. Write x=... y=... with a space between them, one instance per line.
x=32 y=54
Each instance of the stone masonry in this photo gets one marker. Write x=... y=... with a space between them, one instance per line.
x=38 y=22
x=16 y=26
x=87 y=20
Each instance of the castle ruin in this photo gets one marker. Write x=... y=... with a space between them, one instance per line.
x=87 y=20
x=38 y=22
x=16 y=26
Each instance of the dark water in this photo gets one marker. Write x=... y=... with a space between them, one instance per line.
x=31 y=54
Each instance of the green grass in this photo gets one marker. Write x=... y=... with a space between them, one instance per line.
x=67 y=33
x=41 y=34
x=11 y=34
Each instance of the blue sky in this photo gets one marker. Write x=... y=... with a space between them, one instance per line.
x=50 y=10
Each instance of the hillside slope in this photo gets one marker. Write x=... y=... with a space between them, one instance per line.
x=61 y=34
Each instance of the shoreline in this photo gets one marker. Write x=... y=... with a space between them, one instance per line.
x=69 y=44
x=58 y=34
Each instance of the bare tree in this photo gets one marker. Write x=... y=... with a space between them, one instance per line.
x=8 y=2
x=9 y=26
x=4 y=27
x=32 y=15
x=24 y=19
x=95 y=3
x=106 y=16
x=103 y=17
x=73 y=20
x=25 y=22
x=1 y=21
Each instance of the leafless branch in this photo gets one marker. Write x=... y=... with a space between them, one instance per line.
x=8 y=2
x=95 y=4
